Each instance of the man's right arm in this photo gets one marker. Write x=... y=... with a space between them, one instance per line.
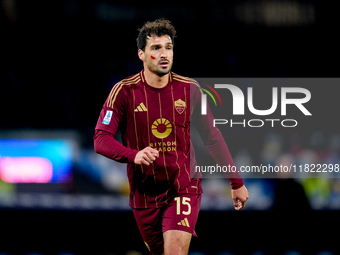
x=106 y=145
x=110 y=119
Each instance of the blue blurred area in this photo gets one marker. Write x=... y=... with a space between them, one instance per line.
x=58 y=152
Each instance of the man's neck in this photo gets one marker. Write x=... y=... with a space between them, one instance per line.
x=154 y=80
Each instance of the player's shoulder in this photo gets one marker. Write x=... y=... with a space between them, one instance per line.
x=128 y=81
x=131 y=80
x=120 y=89
x=186 y=81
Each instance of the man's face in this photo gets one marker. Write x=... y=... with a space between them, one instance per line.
x=158 y=54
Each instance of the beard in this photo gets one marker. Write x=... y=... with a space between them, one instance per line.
x=159 y=70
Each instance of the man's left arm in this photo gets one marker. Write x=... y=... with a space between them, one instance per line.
x=218 y=149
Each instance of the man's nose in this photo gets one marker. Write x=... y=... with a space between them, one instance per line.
x=164 y=53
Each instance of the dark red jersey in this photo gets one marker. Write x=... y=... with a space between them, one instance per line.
x=159 y=118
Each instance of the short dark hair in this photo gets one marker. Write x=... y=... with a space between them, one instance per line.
x=158 y=27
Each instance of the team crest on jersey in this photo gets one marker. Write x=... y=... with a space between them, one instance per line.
x=107 y=118
x=180 y=106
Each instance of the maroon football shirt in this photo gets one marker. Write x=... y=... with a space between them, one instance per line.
x=159 y=118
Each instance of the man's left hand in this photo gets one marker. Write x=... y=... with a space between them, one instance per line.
x=240 y=197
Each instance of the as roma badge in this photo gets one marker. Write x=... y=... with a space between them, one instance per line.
x=180 y=106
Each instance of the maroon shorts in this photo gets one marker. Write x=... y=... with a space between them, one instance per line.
x=180 y=214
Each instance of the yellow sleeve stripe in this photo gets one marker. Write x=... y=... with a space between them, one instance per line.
x=119 y=88
x=178 y=79
x=187 y=80
x=132 y=77
x=112 y=93
x=141 y=75
x=181 y=80
x=115 y=90
x=180 y=76
x=197 y=84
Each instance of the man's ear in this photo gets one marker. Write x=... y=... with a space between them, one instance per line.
x=141 y=55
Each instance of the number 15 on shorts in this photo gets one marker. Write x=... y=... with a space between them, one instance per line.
x=184 y=204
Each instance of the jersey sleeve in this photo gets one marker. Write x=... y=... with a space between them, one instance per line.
x=212 y=138
x=111 y=118
x=113 y=111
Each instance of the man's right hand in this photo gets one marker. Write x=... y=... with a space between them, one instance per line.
x=146 y=156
